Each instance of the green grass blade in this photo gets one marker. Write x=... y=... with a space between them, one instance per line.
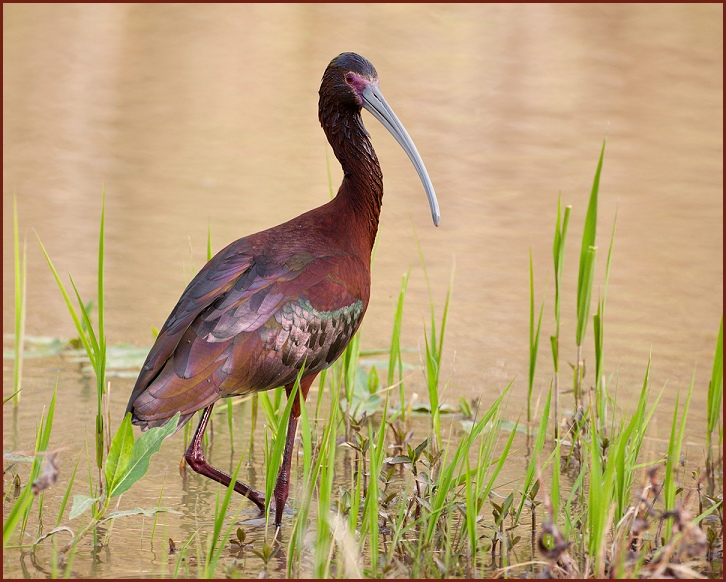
x=395 y=361
x=156 y=515
x=47 y=426
x=610 y=256
x=715 y=389
x=533 y=338
x=619 y=457
x=536 y=454
x=599 y=332
x=625 y=447
x=324 y=543
x=273 y=422
x=675 y=444
x=471 y=513
x=447 y=478
x=502 y=458
x=67 y=495
x=432 y=373
x=598 y=502
x=20 y=287
x=584 y=292
x=369 y=522
x=19 y=508
x=445 y=315
x=587 y=255
x=297 y=534
x=88 y=327
x=100 y=301
x=71 y=310
x=100 y=365
x=305 y=436
x=558 y=252
x=217 y=545
x=434 y=352
x=555 y=488
x=278 y=445
x=182 y=553
x=589 y=233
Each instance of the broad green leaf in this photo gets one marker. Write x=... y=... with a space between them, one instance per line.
x=120 y=453
x=146 y=446
x=81 y=504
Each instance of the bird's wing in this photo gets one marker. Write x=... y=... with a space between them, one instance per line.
x=246 y=323
x=215 y=279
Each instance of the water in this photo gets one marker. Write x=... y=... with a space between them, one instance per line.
x=192 y=116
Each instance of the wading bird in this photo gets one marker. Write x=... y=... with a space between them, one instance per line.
x=284 y=299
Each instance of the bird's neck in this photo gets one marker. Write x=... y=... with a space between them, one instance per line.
x=362 y=188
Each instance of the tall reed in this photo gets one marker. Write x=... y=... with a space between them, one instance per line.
x=585 y=276
x=675 y=443
x=598 y=321
x=558 y=251
x=20 y=287
x=715 y=397
x=533 y=341
x=395 y=362
x=434 y=352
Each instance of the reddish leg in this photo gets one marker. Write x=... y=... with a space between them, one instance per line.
x=282 y=486
x=195 y=458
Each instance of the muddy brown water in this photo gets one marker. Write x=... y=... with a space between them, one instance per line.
x=191 y=115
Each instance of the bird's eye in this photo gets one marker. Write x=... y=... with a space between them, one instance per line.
x=349 y=78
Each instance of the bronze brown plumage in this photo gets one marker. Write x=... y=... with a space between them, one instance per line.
x=283 y=299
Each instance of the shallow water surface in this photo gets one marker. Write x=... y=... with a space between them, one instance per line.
x=191 y=116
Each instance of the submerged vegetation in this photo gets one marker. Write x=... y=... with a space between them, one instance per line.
x=423 y=492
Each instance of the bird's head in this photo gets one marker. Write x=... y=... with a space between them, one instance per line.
x=346 y=79
x=351 y=83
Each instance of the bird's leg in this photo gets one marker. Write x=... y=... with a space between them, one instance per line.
x=195 y=458
x=282 y=486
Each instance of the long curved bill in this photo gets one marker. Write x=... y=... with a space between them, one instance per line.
x=376 y=105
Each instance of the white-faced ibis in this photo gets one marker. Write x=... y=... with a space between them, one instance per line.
x=283 y=299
